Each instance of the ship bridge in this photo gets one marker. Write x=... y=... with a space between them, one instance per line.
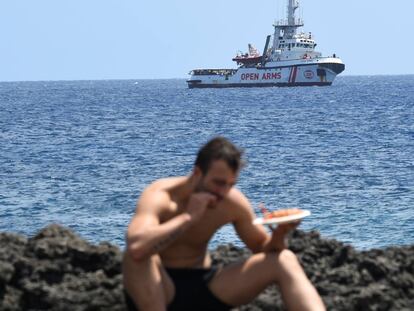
x=296 y=43
x=287 y=43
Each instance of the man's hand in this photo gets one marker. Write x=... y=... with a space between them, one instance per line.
x=279 y=235
x=198 y=204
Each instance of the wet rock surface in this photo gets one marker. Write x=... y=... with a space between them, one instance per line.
x=58 y=270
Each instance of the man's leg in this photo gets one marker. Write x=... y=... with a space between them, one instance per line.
x=240 y=283
x=147 y=283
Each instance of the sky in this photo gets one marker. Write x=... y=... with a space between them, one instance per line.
x=141 y=39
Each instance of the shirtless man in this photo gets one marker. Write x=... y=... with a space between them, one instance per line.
x=167 y=266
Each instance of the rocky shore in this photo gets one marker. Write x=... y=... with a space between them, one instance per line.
x=58 y=270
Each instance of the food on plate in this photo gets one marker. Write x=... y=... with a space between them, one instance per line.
x=281 y=216
x=282 y=213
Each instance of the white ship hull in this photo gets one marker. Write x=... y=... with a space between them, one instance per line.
x=307 y=72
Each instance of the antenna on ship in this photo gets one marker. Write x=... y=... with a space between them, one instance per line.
x=292 y=6
x=292 y=23
x=286 y=29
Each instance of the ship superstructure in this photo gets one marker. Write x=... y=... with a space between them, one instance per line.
x=289 y=59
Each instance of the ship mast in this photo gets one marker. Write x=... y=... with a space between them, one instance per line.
x=292 y=22
x=286 y=29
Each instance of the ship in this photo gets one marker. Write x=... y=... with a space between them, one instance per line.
x=289 y=58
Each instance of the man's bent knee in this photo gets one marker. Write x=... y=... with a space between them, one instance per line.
x=286 y=256
x=288 y=265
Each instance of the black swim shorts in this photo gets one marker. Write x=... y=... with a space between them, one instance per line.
x=191 y=291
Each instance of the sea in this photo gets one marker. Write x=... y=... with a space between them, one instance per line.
x=79 y=153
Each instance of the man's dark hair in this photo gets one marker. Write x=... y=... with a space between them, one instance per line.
x=219 y=148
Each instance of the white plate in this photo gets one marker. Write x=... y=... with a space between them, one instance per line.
x=281 y=220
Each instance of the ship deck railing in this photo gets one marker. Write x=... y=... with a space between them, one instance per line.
x=221 y=72
x=298 y=22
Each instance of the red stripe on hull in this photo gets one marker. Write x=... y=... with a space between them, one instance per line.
x=295 y=71
x=290 y=75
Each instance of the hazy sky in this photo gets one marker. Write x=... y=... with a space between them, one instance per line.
x=140 y=39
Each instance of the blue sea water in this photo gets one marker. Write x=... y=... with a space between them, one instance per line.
x=79 y=153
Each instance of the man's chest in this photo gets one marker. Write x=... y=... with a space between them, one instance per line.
x=202 y=231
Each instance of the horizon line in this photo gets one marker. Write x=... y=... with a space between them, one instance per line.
x=176 y=78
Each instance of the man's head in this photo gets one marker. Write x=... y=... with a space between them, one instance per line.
x=217 y=166
x=219 y=148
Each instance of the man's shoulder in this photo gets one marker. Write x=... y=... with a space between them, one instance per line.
x=240 y=208
x=238 y=200
x=164 y=184
x=160 y=190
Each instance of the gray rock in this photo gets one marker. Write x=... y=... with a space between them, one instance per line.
x=57 y=270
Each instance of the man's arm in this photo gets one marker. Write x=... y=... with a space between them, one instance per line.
x=147 y=236
x=256 y=237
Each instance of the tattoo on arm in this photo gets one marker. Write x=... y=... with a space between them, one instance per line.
x=167 y=240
